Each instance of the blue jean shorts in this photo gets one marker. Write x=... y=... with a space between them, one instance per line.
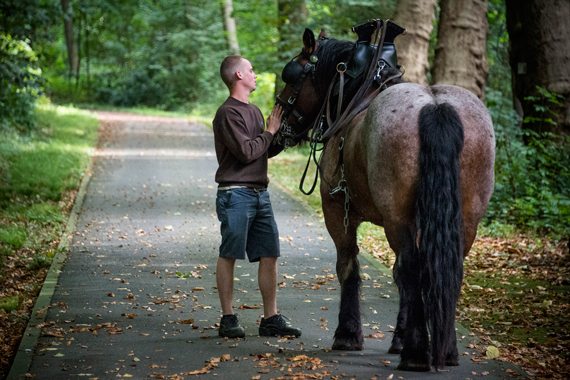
x=247 y=224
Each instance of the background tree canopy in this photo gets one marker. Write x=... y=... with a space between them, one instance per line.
x=166 y=54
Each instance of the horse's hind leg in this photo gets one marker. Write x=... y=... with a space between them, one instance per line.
x=348 y=335
x=397 y=340
x=411 y=336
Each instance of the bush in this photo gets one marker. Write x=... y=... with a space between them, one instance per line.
x=532 y=180
x=19 y=83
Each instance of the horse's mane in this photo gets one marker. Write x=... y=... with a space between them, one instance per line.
x=330 y=53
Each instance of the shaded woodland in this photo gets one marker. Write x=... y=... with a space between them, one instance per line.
x=513 y=55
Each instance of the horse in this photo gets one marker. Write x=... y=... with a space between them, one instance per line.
x=418 y=161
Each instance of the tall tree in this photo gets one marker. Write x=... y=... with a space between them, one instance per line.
x=417 y=17
x=460 y=53
x=72 y=56
x=540 y=56
x=230 y=26
x=291 y=23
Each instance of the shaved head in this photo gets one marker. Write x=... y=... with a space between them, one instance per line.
x=229 y=67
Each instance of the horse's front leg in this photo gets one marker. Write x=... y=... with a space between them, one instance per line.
x=348 y=335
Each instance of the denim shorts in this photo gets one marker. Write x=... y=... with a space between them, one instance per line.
x=247 y=224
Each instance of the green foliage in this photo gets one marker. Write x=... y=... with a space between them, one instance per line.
x=532 y=180
x=541 y=105
x=146 y=53
x=19 y=83
x=9 y=304
x=46 y=164
x=39 y=262
x=23 y=25
x=13 y=236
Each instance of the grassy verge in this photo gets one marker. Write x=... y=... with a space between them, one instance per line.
x=516 y=292
x=39 y=175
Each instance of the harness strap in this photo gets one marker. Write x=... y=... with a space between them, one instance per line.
x=347 y=114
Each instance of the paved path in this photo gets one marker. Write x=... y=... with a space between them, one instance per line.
x=121 y=311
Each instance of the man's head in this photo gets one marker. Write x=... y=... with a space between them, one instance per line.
x=236 y=68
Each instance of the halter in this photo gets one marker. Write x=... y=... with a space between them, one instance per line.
x=295 y=74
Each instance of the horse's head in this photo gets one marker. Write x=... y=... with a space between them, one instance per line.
x=302 y=96
x=309 y=75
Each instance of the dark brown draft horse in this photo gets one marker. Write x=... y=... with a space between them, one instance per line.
x=419 y=162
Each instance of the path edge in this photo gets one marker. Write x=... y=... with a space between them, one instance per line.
x=23 y=359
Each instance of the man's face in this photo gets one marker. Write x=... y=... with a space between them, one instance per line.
x=248 y=76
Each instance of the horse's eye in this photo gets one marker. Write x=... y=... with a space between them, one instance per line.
x=291 y=72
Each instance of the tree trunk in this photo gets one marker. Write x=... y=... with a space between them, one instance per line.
x=460 y=53
x=540 y=56
x=79 y=31
x=231 y=31
x=87 y=56
x=292 y=22
x=69 y=38
x=417 y=17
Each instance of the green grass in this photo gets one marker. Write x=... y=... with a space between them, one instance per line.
x=9 y=304
x=36 y=169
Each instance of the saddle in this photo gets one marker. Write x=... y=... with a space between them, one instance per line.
x=363 y=52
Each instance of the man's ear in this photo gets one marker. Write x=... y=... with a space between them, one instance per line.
x=239 y=75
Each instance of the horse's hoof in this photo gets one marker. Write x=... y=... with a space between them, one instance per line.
x=348 y=344
x=395 y=350
x=396 y=347
x=452 y=363
x=415 y=366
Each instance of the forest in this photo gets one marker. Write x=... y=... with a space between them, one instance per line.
x=164 y=55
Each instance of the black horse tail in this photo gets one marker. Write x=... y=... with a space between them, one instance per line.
x=439 y=223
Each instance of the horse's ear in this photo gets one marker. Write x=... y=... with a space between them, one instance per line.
x=323 y=33
x=309 y=41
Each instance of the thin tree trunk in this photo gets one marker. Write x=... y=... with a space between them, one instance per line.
x=79 y=31
x=417 y=17
x=231 y=30
x=540 y=56
x=87 y=55
x=460 y=54
x=69 y=38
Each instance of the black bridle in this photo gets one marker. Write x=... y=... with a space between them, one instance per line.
x=295 y=74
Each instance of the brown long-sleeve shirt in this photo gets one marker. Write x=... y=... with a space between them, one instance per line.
x=242 y=145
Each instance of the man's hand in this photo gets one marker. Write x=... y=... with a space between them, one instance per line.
x=274 y=120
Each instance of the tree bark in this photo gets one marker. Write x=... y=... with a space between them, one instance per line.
x=87 y=56
x=460 y=53
x=417 y=17
x=79 y=30
x=69 y=38
x=291 y=24
x=540 y=56
x=231 y=30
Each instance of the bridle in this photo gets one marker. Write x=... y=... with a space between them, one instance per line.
x=295 y=74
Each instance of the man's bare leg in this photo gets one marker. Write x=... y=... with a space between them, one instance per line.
x=267 y=278
x=225 y=282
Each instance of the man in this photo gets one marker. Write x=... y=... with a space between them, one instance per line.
x=243 y=204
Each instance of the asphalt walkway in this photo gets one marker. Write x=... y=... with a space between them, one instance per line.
x=136 y=296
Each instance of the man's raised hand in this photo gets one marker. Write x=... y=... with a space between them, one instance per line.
x=274 y=120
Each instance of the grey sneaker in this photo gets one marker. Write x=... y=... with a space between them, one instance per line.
x=229 y=327
x=276 y=326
